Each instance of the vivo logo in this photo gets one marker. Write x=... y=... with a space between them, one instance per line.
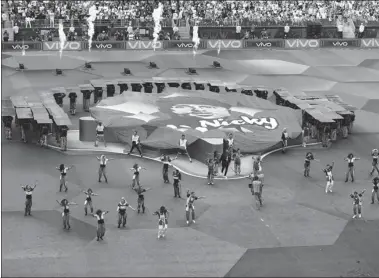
x=262 y=44
x=185 y=45
x=144 y=45
x=103 y=46
x=20 y=47
x=373 y=43
x=302 y=43
x=344 y=44
x=66 y=46
x=224 y=44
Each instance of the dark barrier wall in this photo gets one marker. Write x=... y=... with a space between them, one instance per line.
x=214 y=33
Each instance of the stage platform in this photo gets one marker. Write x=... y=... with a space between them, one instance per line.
x=300 y=231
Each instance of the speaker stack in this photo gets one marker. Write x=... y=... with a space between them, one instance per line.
x=314 y=31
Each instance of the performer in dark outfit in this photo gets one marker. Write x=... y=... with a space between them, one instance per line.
x=88 y=202
x=357 y=203
x=65 y=204
x=100 y=223
x=307 y=163
x=350 y=166
x=166 y=163
x=28 y=202
x=375 y=188
x=190 y=208
x=136 y=174
x=141 y=198
x=211 y=167
x=63 y=172
x=121 y=209
x=162 y=214
x=177 y=186
x=375 y=161
x=225 y=160
x=103 y=165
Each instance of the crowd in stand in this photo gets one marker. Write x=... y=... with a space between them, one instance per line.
x=27 y=12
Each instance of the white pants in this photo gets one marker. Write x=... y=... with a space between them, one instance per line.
x=162 y=230
x=329 y=186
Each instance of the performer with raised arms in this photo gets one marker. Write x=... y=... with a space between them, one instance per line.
x=162 y=214
x=350 y=166
x=136 y=174
x=99 y=215
x=190 y=208
x=28 y=202
x=103 y=164
x=88 y=202
x=141 y=198
x=329 y=178
x=375 y=161
x=65 y=204
x=121 y=209
x=63 y=172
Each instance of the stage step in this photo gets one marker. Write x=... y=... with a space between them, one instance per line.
x=184 y=33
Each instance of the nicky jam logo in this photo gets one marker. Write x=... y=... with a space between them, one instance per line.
x=204 y=117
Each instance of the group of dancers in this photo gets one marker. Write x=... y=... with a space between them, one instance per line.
x=256 y=186
x=123 y=205
x=350 y=173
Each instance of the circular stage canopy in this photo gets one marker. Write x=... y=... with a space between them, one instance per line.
x=160 y=119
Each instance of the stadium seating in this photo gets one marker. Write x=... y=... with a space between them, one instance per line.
x=204 y=13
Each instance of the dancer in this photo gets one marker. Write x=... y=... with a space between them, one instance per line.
x=100 y=223
x=162 y=214
x=28 y=202
x=88 y=202
x=100 y=134
x=216 y=159
x=285 y=137
x=375 y=192
x=103 y=164
x=141 y=198
x=65 y=204
x=357 y=203
x=307 y=164
x=237 y=162
x=350 y=164
x=121 y=209
x=190 y=208
x=257 y=165
x=329 y=178
x=225 y=160
x=63 y=172
x=210 y=175
x=136 y=143
x=256 y=190
x=166 y=163
x=136 y=172
x=183 y=144
x=7 y=121
x=177 y=186
x=375 y=161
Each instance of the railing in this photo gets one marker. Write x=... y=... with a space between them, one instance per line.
x=168 y=22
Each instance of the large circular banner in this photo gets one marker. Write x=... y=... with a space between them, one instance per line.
x=256 y=123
